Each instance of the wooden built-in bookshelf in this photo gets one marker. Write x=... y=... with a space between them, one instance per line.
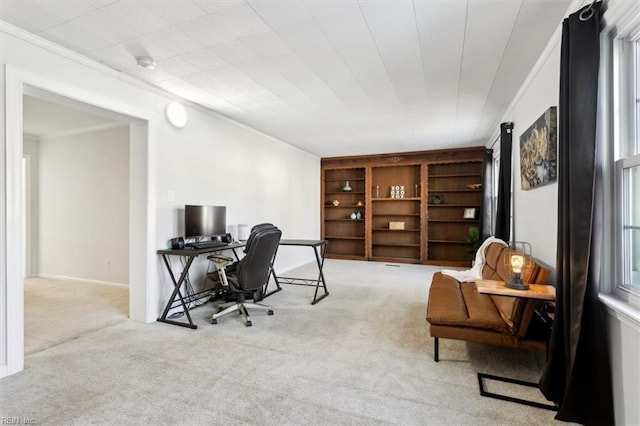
x=407 y=227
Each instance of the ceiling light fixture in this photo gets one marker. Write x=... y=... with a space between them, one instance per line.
x=146 y=62
x=177 y=115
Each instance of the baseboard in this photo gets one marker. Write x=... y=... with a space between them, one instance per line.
x=83 y=280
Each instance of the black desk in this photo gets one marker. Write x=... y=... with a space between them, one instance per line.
x=319 y=248
x=190 y=255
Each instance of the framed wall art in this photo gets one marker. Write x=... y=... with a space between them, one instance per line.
x=539 y=151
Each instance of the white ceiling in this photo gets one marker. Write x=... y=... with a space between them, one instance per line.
x=330 y=77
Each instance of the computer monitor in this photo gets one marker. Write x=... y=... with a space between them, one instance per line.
x=204 y=221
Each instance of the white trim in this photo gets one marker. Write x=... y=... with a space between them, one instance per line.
x=83 y=280
x=14 y=284
x=621 y=310
x=143 y=304
x=26 y=216
x=83 y=130
x=626 y=17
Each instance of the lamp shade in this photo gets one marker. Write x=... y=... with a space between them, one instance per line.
x=517 y=260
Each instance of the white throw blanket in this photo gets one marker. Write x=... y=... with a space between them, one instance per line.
x=476 y=270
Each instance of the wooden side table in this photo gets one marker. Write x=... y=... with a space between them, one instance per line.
x=536 y=291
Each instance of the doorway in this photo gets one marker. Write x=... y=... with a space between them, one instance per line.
x=142 y=262
x=76 y=221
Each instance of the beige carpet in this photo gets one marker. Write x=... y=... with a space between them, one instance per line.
x=362 y=356
x=59 y=310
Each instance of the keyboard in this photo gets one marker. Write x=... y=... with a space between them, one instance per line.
x=206 y=244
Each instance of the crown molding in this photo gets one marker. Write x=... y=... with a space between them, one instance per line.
x=83 y=130
x=31 y=136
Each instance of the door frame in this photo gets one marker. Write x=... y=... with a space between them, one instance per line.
x=143 y=292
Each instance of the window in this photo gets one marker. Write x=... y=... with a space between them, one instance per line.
x=630 y=240
x=627 y=180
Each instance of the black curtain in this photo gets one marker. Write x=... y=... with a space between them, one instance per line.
x=503 y=210
x=577 y=375
x=486 y=212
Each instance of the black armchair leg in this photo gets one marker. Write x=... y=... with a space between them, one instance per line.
x=436 y=356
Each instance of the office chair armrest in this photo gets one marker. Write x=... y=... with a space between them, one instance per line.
x=220 y=259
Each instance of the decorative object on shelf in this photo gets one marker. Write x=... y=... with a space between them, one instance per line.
x=336 y=203
x=474 y=186
x=469 y=213
x=436 y=199
x=539 y=152
x=416 y=190
x=347 y=187
x=358 y=215
x=359 y=203
x=396 y=191
x=396 y=225
x=377 y=191
x=517 y=259
x=354 y=216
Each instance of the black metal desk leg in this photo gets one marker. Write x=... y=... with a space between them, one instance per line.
x=272 y=272
x=320 y=262
x=176 y=291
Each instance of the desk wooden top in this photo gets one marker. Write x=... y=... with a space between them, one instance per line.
x=193 y=252
x=310 y=243
x=536 y=291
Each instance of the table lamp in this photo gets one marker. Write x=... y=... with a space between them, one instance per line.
x=517 y=259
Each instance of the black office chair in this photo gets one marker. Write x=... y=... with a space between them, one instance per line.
x=250 y=275
x=231 y=266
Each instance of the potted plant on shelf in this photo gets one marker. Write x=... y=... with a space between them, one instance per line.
x=473 y=238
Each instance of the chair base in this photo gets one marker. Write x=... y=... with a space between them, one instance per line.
x=241 y=307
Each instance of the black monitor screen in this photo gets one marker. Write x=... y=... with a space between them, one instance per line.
x=204 y=221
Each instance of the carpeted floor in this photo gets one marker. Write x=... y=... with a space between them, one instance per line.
x=59 y=310
x=360 y=356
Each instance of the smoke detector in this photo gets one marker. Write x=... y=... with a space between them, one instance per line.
x=146 y=62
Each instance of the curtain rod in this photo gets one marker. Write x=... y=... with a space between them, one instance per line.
x=510 y=124
x=494 y=142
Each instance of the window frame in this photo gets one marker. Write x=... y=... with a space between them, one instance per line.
x=623 y=289
x=626 y=153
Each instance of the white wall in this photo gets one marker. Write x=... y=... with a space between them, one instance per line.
x=535 y=210
x=84 y=206
x=535 y=217
x=212 y=160
x=257 y=180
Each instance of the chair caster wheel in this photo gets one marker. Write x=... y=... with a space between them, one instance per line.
x=270 y=312
x=248 y=324
x=214 y=321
